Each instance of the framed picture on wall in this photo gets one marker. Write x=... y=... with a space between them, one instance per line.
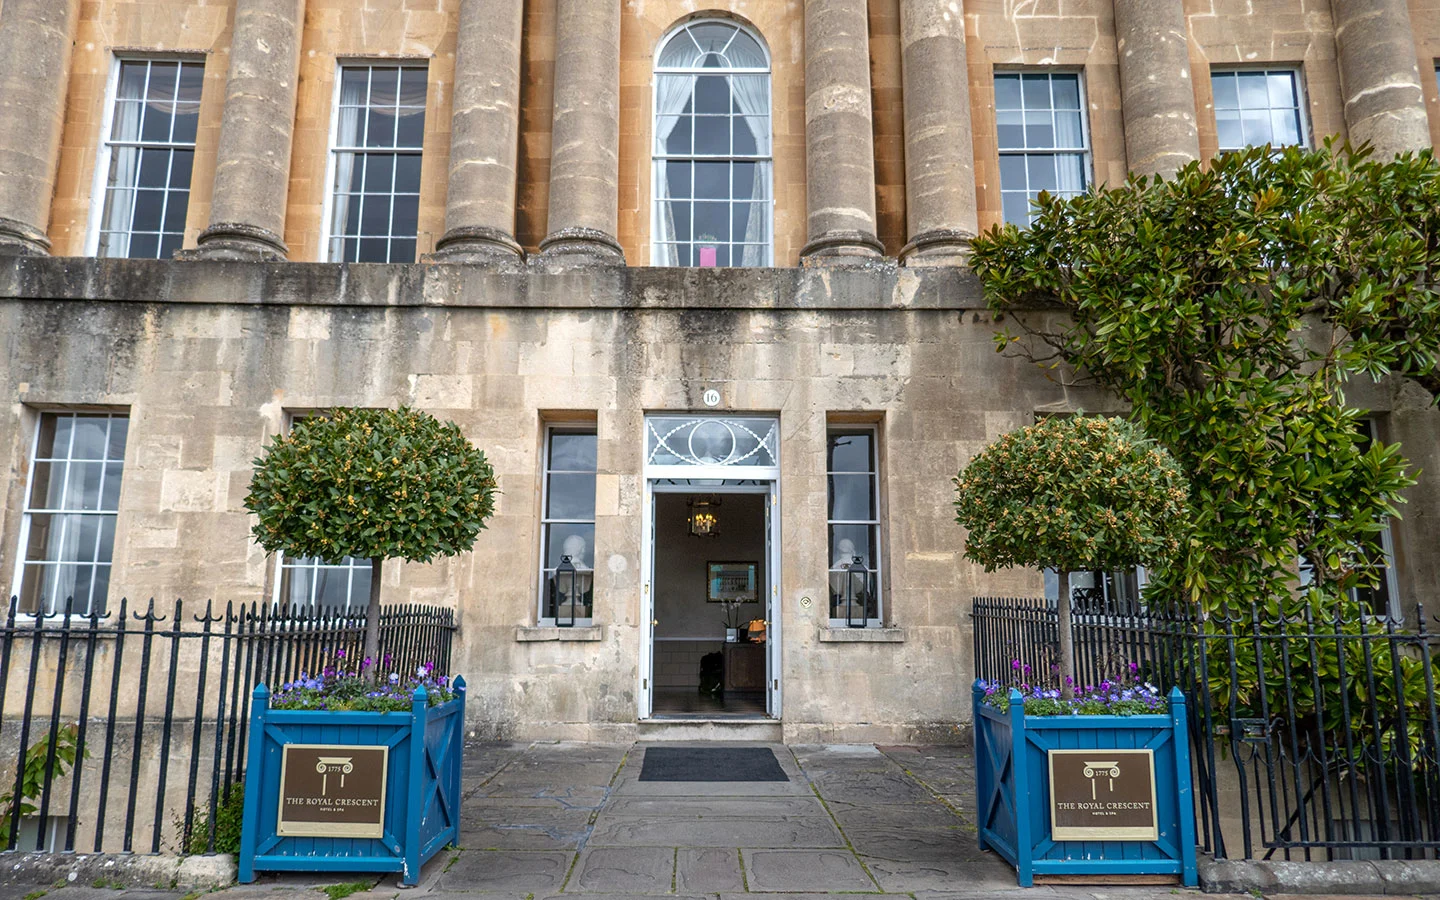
x=733 y=582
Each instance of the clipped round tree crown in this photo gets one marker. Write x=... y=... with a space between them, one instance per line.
x=372 y=483
x=1075 y=492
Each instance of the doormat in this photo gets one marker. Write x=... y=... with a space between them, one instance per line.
x=711 y=764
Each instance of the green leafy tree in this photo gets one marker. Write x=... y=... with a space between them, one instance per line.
x=1229 y=307
x=40 y=764
x=373 y=483
x=1072 y=493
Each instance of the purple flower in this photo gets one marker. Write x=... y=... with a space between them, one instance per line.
x=339 y=654
x=1016 y=664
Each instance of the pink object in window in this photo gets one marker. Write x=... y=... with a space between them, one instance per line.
x=707 y=257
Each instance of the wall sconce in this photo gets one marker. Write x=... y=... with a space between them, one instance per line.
x=704 y=517
x=857 y=589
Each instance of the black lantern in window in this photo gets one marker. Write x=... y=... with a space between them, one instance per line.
x=565 y=591
x=857 y=592
x=704 y=516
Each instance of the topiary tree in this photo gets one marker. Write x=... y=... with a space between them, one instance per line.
x=1072 y=493
x=372 y=483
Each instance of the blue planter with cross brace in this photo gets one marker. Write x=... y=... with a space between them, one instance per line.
x=334 y=817
x=1084 y=822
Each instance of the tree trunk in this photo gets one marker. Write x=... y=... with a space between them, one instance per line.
x=372 y=621
x=1067 y=636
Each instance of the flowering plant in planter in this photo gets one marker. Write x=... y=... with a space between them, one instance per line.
x=1127 y=696
x=341 y=691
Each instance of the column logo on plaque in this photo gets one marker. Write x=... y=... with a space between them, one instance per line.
x=1103 y=795
x=328 y=790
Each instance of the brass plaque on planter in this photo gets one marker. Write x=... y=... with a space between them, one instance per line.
x=1103 y=795
x=329 y=790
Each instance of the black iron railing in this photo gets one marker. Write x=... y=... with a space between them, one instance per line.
x=154 y=705
x=1314 y=734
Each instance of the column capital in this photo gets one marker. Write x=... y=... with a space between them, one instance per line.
x=19 y=239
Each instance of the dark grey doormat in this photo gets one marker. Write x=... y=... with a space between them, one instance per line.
x=711 y=764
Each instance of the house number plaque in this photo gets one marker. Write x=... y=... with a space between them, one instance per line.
x=1103 y=795
x=329 y=790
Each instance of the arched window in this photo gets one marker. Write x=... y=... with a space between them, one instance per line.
x=712 y=148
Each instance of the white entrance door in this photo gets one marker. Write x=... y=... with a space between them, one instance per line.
x=773 y=665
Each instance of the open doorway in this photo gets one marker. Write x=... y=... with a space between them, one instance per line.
x=711 y=590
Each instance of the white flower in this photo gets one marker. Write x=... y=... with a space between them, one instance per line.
x=420 y=670
x=394 y=677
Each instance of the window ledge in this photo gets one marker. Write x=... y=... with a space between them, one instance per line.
x=528 y=633
x=833 y=635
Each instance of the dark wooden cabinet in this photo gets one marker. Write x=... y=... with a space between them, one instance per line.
x=744 y=667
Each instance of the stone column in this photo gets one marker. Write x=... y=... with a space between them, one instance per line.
x=1379 y=78
x=35 y=41
x=252 y=163
x=839 y=137
x=1157 y=97
x=484 y=135
x=939 y=157
x=585 y=136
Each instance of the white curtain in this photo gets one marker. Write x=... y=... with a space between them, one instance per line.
x=672 y=95
x=347 y=134
x=1069 y=167
x=752 y=98
x=124 y=173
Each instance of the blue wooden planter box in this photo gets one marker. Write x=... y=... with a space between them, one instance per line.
x=422 y=799
x=1012 y=785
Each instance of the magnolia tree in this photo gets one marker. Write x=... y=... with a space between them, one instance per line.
x=371 y=483
x=1077 y=493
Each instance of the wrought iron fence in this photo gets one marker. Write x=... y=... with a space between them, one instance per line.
x=1314 y=734
x=153 y=705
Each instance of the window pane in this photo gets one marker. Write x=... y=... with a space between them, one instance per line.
x=1035 y=90
x=1067 y=91
x=852 y=498
x=1010 y=125
x=148 y=207
x=187 y=121
x=360 y=583
x=119 y=429
x=571 y=496
x=82 y=490
x=572 y=452
x=1012 y=173
x=162 y=80
x=402 y=250
x=384 y=86
x=1255 y=127
x=374 y=250
x=712 y=180
x=154 y=168
x=1039 y=130
x=110 y=496
x=1282 y=89
x=192 y=79
x=332 y=587
x=1223 y=86
x=380 y=128
x=677 y=178
x=410 y=130
x=712 y=94
x=47 y=485
x=1007 y=92
x=712 y=135
x=1254 y=90
x=144 y=246
x=181 y=164
x=155 y=127
x=574 y=540
x=712 y=222
x=1285 y=127
x=407 y=173
x=295 y=585
x=132 y=81
x=105 y=552
x=1016 y=208
x=407 y=212
x=412 y=86
x=375 y=215
x=90 y=437
x=1041 y=170
x=743 y=180
x=379 y=172
x=1227 y=127
x=851 y=453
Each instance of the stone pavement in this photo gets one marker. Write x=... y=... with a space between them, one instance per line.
x=573 y=821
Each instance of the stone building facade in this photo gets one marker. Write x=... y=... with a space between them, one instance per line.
x=647 y=276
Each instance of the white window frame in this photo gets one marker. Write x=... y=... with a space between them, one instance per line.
x=1301 y=98
x=17 y=581
x=349 y=564
x=877 y=565
x=1085 y=150
x=542 y=599
x=657 y=159
x=100 y=180
x=327 y=206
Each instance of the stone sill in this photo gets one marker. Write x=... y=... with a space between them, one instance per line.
x=831 y=635
x=528 y=633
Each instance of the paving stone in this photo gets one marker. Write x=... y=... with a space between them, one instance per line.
x=717 y=832
x=804 y=870
x=639 y=869
x=523 y=837
x=941 y=874
x=860 y=816
x=871 y=788
x=506 y=870
x=743 y=807
x=708 y=870
x=914 y=843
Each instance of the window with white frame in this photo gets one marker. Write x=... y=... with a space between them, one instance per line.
x=68 y=526
x=1258 y=106
x=852 y=516
x=309 y=585
x=567 y=524
x=1383 y=597
x=1043 y=138
x=147 y=154
x=712 y=148
x=375 y=145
